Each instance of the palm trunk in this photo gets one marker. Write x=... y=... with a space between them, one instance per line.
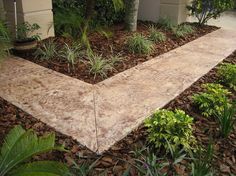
x=131 y=17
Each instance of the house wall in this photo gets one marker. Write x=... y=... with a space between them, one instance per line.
x=32 y=11
x=149 y=10
x=152 y=10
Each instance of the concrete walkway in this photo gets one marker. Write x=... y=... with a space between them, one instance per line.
x=102 y=114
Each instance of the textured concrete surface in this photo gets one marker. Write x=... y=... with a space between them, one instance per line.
x=102 y=114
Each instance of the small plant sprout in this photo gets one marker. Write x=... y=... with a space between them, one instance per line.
x=98 y=65
x=155 y=35
x=227 y=74
x=71 y=54
x=47 y=51
x=139 y=44
x=227 y=119
x=211 y=101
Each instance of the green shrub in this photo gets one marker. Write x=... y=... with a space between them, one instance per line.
x=204 y=10
x=174 y=127
x=183 y=30
x=5 y=41
x=156 y=36
x=107 y=12
x=71 y=54
x=166 y=23
x=227 y=119
x=227 y=73
x=98 y=65
x=69 y=23
x=20 y=145
x=139 y=44
x=211 y=101
x=47 y=51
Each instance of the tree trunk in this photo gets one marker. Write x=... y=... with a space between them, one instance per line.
x=131 y=16
x=90 y=4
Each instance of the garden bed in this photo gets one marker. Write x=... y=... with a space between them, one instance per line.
x=120 y=156
x=115 y=45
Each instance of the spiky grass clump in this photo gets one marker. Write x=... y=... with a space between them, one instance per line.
x=155 y=35
x=183 y=30
x=139 y=44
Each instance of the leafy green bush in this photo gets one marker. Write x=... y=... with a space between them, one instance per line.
x=204 y=10
x=20 y=146
x=47 y=51
x=227 y=119
x=155 y=35
x=71 y=54
x=174 y=127
x=183 y=30
x=227 y=73
x=139 y=44
x=98 y=65
x=166 y=23
x=107 y=12
x=5 y=41
x=69 y=23
x=211 y=101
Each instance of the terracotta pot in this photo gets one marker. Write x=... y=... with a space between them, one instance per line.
x=25 y=45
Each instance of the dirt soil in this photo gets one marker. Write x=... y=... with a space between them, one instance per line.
x=113 y=161
x=113 y=45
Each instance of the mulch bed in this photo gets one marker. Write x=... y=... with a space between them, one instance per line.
x=112 y=161
x=112 y=46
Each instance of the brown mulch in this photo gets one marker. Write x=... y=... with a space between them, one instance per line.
x=112 y=160
x=112 y=46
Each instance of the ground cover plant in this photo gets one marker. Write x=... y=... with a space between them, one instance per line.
x=174 y=127
x=138 y=44
x=211 y=102
x=227 y=73
x=110 y=42
x=133 y=155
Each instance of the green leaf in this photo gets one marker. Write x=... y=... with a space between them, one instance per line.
x=23 y=145
x=11 y=139
x=41 y=168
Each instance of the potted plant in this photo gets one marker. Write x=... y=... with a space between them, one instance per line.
x=26 y=39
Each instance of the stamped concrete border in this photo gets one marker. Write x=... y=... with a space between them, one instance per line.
x=99 y=115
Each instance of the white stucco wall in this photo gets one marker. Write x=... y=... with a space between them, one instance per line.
x=149 y=10
x=32 y=11
x=152 y=10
